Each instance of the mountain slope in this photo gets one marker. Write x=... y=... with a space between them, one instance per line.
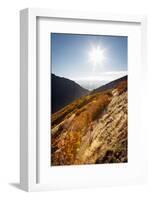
x=92 y=129
x=64 y=91
x=111 y=85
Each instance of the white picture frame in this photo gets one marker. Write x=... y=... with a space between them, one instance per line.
x=29 y=148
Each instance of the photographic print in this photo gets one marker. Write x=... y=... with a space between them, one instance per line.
x=89 y=99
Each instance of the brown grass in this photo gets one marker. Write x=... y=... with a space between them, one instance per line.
x=86 y=110
x=69 y=134
x=122 y=87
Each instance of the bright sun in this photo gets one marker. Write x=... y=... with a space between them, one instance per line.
x=96 y=55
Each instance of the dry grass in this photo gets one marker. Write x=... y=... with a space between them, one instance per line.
x=122 y=87
x=76 y=122
x=86 y=110
x=67 y=111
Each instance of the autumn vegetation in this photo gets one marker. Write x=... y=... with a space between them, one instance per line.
x=92 y=129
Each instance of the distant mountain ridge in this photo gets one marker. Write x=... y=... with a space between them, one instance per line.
x=64 y=91
x=110 y=85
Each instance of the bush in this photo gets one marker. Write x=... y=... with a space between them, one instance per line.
x=98 y=107
x=122 y=87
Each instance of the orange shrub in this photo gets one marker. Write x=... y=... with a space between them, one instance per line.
x=98 y=107
x=122 y=87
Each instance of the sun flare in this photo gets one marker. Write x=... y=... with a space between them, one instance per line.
x=96 y=55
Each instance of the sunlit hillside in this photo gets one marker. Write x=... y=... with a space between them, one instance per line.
x=92 y=129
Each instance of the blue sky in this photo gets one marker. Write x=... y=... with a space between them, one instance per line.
x=83 y=57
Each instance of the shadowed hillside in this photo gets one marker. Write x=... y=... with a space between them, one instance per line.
x=64 y=91
x=93 y=128
x=111 y=85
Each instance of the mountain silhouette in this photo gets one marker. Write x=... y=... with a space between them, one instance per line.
x=110 y=85
x=64 y=91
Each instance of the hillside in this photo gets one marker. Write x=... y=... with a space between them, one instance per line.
x=92 y=129
x=64 y=91
x=111 y=85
